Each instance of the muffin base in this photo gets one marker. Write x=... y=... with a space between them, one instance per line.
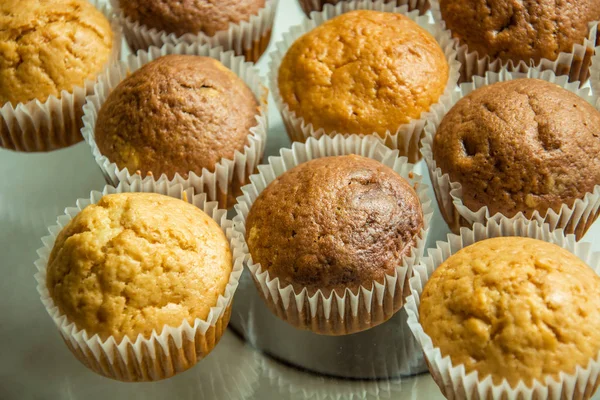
x=576 y=64
x=248 y=38
x=407 y=137
x=452 y=380
x=351 y=309
x=224 y=183
x=576 y=219
x=174 y=349
x=57 y=122
x=309 y=6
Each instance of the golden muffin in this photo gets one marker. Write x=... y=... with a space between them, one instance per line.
x=363 y=72
x=514 y=308
x=50 y=46
x=136 y=262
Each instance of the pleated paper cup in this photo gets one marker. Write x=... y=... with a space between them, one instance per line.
x=326 y=311
x=247 y=38
x=56 y=123
x=309 y=6
x=452 y=379
x=575 y=64
x=165 y=353
x=407 y=136
x=229 y=175
x=576 y=219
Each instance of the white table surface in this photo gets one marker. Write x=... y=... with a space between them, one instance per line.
x=35 y=363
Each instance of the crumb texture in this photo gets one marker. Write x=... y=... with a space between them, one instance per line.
x=190 y=16
x=334 y=222
x=176 y=114
x=50 y=46
x=515 y=309
x=363 y=72
x=521 y=145
x=520 y=30
x=136 y=262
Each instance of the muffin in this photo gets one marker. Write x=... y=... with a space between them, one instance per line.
x=514 y=308
x=47 y=49
x=363 y=72
x=332 y=225
x=140 y=265
x=309 y=6
x=512 y=30
x=201 y=17
x=523 y=145
x=175 y=115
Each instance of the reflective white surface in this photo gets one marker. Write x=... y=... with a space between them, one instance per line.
x=34 y=362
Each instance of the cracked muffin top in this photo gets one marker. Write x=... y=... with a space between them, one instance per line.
x=136 y=262
x=514 y=308
x=190 y=16
x=363 y=72
x=50 y=46
x=521 y=145
x=176 y=114
x=334 y=222
x=519 y=30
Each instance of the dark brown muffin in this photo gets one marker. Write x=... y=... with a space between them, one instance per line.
x=190 y=16
x=521 y=145
x=519 y=30
x=176 y=114
x=334 y=222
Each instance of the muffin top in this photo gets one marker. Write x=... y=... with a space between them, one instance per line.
x=334 y=222
x=176 y=114
x=363 y=72
x=519 y=30
x=190 y=16
x=520 y=145
x=136 y=262
x=50 y=46
x=514 y=308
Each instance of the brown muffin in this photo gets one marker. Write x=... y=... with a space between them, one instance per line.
x=514 y=308
x=363 y=72
x=176 y=114
x=309 y=6
x=50 y=46
x=190 y=16
x=136 y=262
x=334 y=222
x=522 y=145
x=519 y=31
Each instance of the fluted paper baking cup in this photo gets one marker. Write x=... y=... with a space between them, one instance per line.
x=575 y=219
x=309 y=6
x=407 y=136
x=224 y=183
x=56 y=123
x=165 y=353
x=356 y=309
x=575 y=64
x=247 y=38
x=452 y=379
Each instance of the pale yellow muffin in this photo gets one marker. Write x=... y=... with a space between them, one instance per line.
x=47 y=46
x=514 y=308
x=136 y=262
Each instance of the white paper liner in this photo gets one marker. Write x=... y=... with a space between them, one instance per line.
x=309 y=6
x=56 y=123
x=407 y=137
x=334 y=314
x=229 y=175
x=452 y=379
x=165 y=353
x=248 y=38
x=576 y=219
x=575 y=64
